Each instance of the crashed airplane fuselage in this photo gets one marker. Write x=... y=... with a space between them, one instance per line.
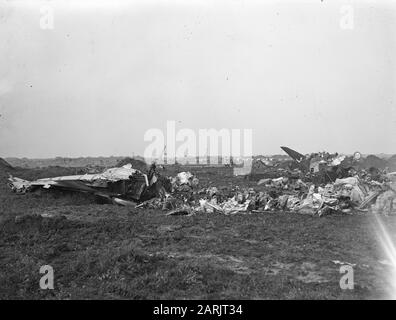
x=116 y=184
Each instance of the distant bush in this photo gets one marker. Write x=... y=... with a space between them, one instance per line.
x=136 y=163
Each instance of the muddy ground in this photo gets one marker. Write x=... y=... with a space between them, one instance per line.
x=111 y=252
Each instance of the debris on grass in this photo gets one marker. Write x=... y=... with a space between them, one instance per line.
x=320 y=184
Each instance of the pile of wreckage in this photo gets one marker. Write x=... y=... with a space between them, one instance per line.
x=345 y=196
x=319 y=184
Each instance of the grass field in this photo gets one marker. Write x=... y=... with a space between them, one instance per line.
x=111 y=252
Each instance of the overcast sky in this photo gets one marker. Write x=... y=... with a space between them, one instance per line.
x=110 y=70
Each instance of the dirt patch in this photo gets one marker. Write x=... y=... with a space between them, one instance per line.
x=4 y=165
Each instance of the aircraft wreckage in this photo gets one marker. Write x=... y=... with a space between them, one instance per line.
x=118 y=185
x=318 y=184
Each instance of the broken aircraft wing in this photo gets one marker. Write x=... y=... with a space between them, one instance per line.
x=293 y=154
